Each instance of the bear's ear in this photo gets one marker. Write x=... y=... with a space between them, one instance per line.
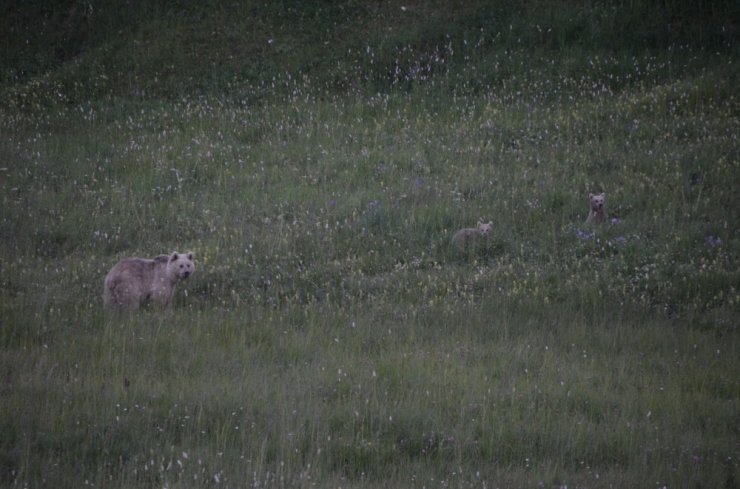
x=479 y=223
x=174 y=256
x=190 y=255
x=590 y=196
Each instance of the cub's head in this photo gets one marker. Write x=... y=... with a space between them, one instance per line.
x=181 y=264
x=597 y=201
x=484 y=229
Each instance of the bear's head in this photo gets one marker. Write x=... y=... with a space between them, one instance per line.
x=181 y=265
x=484 y=229
x=597 y=201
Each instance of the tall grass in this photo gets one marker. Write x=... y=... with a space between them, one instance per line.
x=331 y=336
x=445 y=395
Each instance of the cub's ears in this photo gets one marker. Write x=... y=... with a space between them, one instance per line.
x=175 y=255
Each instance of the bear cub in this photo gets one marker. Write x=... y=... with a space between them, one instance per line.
x=466 y=237
x=133 y=282
x=596 y=213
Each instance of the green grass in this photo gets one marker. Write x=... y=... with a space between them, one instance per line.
x=331 y=336
x=365 y=395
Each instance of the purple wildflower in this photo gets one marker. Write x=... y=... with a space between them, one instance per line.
x=584 y=235
x=713 y=241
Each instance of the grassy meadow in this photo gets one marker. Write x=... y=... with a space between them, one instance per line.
x=317 y=158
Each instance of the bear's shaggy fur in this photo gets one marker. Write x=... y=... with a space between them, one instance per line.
x=467 y=237
x=133 y=282
x=596 y=214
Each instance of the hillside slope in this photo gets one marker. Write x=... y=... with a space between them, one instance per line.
x=81 y=50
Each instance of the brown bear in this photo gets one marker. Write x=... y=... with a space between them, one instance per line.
x=466 y=237
x=596 y=213
x=133 y=282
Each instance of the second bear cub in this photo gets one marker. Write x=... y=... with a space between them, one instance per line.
x=467 y=237
x=596 y=213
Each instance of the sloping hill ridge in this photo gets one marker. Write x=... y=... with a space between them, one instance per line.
x=72 y=51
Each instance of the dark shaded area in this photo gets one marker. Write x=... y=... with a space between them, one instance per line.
x=164 y=48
